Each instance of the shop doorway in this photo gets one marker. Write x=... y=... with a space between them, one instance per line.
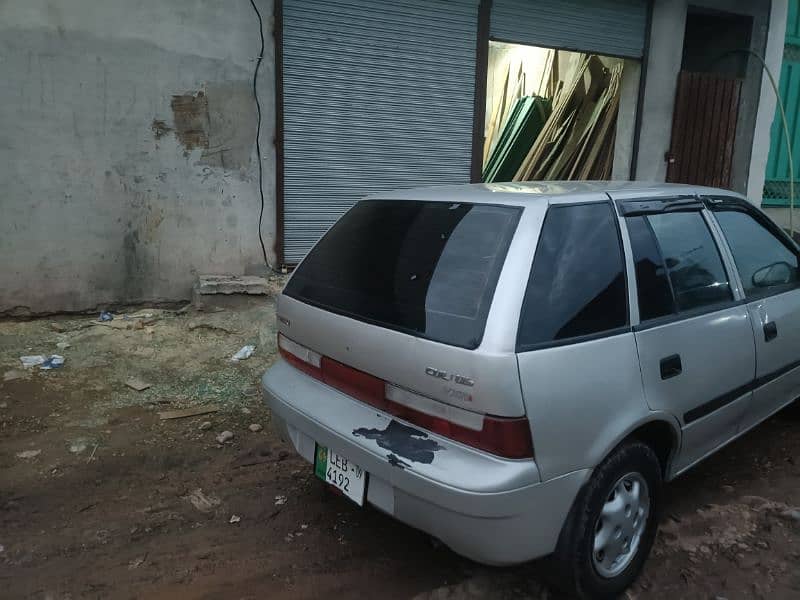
x=708 y=97
x=550 y=114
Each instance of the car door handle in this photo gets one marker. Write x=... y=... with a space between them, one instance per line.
x=671 y=366
x=770 y=331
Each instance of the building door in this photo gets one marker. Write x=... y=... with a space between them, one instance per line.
x=704 y=129
x=611 y=27
x=559 y=80
x=716 y=74
x=376 y=96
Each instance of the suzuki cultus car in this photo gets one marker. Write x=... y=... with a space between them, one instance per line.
x=517 y=368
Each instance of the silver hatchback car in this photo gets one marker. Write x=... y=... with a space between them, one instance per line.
x=516 y=368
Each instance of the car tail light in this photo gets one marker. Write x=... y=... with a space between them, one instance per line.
x=502 y=436
x=299 y=356
x=352 y=382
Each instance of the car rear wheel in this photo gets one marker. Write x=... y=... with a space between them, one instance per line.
x=612 y=525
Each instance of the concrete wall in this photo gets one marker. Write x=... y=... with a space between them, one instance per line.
x=768 y=104
x=626 y=120
x=127 y=153
x=664 y=64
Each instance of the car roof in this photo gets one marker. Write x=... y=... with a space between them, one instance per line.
x=525 y=192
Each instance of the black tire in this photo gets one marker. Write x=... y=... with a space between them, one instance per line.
x=575 y=572
x=791 y=412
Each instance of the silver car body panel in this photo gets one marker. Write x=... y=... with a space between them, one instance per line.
x=478 y=504
x=492 y=367
x=779 y=355
x=581 y=399
x=376 y=351
x=725 y=334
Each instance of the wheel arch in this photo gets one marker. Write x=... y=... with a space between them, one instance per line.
x=661 y=432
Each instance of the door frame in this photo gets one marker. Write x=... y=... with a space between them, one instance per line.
x=482 y=74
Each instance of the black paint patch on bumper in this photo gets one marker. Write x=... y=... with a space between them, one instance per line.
x=402 y=441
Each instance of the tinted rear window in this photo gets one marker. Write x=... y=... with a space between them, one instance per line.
x=425 y=268
x=577 y=283
x=654 y=291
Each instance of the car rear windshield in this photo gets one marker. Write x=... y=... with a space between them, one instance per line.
x=425 y=268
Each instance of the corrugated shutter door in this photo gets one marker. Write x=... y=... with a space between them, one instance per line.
x=377 y=96
x=614 y=27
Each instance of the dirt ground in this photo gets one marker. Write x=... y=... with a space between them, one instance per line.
x=100 y=498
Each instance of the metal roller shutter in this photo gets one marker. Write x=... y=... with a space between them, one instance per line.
x=377 y=95
x=614 y=27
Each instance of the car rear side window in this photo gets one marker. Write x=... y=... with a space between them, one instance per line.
x=692 y=259
x=426 y=268
x=577 y=283
x=652 y=284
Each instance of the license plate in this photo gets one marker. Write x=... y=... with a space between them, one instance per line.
x=341 y=473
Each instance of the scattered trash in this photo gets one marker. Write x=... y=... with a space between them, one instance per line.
x=142 y=315
x=2 y=548
x=105 y=316
x=58 y=327
x=160 y=401
x=102 y=536
x=53 y=362
x=205 y=426
x=91 y=456
x=138 y=384
x=137 y=562
x=250 y=392
x=29 y=453
x=792 y=514
x=202 y=502
x=63 y=345
x=225 y=436
x=12 y=375
x=188 y=412
x=303 y=525
x=78 y=446
x=235 y=519
x=45 y=362
x=255 y=428
x=244 y=353
x=32 y=361
x=280 y=500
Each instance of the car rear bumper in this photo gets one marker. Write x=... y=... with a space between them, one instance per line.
x=492 y=510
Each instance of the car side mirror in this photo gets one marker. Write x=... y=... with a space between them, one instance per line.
x=777 y=273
